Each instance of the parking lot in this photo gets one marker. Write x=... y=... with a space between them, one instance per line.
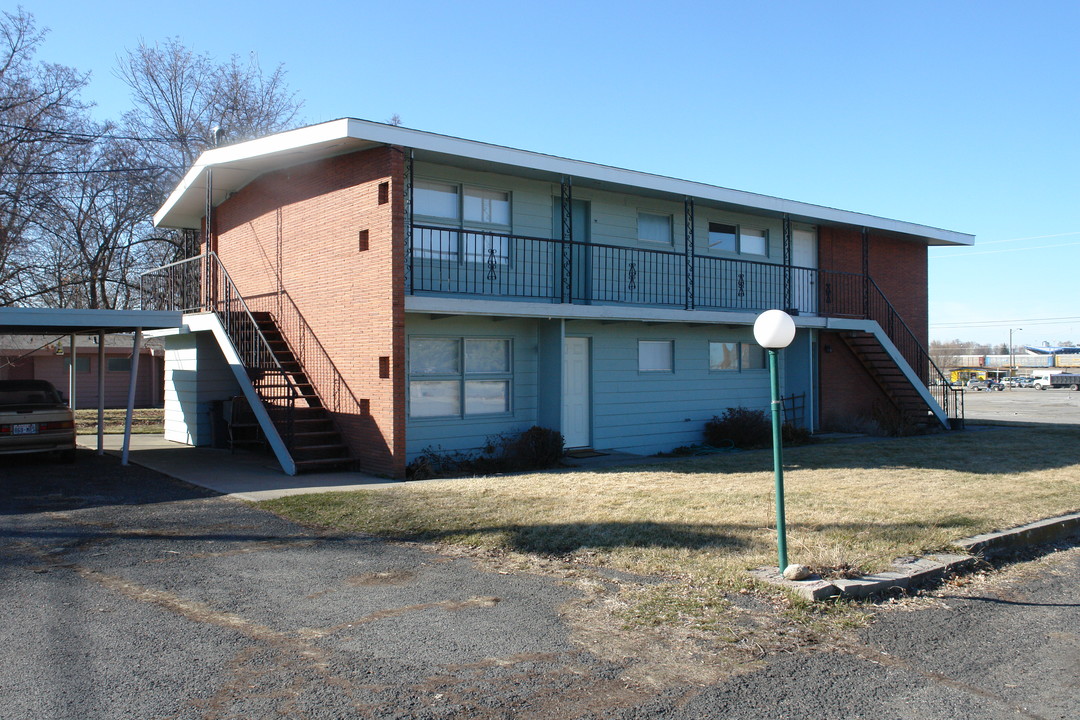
x=1024 y=405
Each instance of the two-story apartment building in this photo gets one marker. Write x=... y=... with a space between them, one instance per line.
x=414 y=290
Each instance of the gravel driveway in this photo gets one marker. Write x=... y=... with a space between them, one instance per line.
x=125 y=594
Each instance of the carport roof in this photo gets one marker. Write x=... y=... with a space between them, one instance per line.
x=25 y=321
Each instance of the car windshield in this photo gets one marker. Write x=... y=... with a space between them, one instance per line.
x=25 y=393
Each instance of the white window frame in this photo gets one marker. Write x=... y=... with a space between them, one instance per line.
x=464 y=377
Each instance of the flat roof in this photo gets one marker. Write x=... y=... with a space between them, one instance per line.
x=36 y=321
x=234 y=166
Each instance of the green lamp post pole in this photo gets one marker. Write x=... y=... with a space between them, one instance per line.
x=778 y=459
x=773 y=330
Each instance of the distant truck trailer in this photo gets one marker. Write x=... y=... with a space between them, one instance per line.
x=1042 y=381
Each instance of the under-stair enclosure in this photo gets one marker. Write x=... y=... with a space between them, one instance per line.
x=294 y=416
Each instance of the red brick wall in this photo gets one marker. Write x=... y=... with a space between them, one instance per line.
x=296 y=231
x=849 y=396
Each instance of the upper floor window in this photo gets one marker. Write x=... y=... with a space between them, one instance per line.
x=753 y=241
x=461 y=208
x=723 y=237
x=654 y=228
x=733 y=238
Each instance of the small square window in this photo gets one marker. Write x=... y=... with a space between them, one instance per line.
x=752 y=356
x=434 y=356
x=654 y=228
x=490 y=207
x=434 y=398
x=723 y=237
x=82 y=364
x=483 y=355
x=487 y=397
x=753 y=241
x=724 y=357
x=656 y=355
x=118 y=364
x=436 y=199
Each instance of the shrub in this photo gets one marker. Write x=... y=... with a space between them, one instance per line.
x=750 y=429
x=534 y=449
x=743 y=427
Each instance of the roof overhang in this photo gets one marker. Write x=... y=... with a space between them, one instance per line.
x=235 y=166
x=59 y=321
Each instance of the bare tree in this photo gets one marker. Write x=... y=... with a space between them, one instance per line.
x=41 y=117
x=181 y=98
x=91 y=236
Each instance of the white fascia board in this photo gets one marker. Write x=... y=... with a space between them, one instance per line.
x=237 y=156
x=433 y=305
x=305 y=141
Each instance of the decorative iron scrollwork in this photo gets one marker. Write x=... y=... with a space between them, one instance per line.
x=631 y=277
x=492 y=264
x=741 y=285
x=828 y=293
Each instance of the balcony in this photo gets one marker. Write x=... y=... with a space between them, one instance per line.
x=515 y=267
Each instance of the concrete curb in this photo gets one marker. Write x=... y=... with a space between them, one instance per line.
x=1036 y=533
x=915 y=572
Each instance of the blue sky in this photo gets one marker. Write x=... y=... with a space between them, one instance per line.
x=961 y=115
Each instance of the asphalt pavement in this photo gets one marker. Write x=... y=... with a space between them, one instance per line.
x=127 y=594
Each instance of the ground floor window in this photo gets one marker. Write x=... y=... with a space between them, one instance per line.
x=459 y=376
x=656 y=356
x=735 y=357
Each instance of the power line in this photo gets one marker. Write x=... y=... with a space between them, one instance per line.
x=96 y=136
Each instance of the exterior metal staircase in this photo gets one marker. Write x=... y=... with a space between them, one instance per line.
x=914 y=411
x=301 y=429
x=314 y=441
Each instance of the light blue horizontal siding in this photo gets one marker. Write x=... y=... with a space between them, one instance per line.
x=654 y=412
x=471 y=433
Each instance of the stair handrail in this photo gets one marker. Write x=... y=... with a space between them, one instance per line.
x=324 y=361
x=223 y=310
x=893 y=325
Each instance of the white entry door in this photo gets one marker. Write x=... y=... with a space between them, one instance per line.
x=576 y=402
x=804 y=282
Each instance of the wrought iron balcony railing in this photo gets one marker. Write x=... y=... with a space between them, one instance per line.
x=514 y=267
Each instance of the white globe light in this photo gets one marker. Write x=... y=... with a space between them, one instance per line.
x=774 y=329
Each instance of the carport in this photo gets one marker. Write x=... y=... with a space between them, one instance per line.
x=72 y=322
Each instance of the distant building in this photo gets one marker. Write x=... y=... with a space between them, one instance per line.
x=41 y=357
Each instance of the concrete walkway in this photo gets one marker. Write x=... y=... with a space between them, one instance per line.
x=244 y=474
x=254 y=476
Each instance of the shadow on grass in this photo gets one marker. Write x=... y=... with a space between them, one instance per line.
x=554 y=538
x=561 y=538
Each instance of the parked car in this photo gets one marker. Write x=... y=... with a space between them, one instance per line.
x=1017 y=382
x=34 y=419
x=984 y=385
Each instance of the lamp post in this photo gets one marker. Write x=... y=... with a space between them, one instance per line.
x=1012 y=357
x=774 y=330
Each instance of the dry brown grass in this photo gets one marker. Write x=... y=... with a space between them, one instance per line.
x=698 y=524
x=144 y=420
x=859 y=504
